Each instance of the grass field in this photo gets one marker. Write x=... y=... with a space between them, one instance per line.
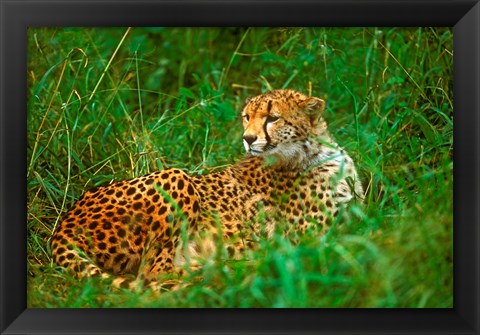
x=108 y=104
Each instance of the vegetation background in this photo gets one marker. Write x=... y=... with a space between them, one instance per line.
x=108 y=104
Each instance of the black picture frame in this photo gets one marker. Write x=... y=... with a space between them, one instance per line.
x=17 y=15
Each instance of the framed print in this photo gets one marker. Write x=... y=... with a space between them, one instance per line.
x=239 y=167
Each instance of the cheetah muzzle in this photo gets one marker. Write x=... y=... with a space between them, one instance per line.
x=158 y=223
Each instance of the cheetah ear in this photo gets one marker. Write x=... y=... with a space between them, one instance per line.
x=313 y=107
x=247 y=100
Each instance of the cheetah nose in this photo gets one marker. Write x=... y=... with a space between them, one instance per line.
x=249 y=139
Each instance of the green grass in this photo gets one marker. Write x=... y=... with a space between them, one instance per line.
x=109 y=104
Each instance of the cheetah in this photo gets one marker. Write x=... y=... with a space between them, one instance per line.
x=293 y=172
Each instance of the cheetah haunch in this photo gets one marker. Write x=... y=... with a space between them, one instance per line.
x=293 y=173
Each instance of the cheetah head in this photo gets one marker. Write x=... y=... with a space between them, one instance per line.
x=281 y=123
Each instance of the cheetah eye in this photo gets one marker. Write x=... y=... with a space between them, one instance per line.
x=272 y=118
x=246 y=117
